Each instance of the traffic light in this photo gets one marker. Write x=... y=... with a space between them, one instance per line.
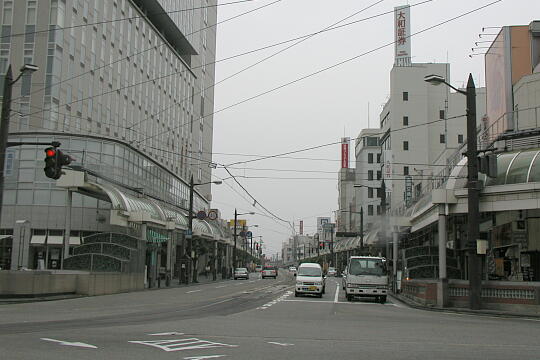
x=54 y=160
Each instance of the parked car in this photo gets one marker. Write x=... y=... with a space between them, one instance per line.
x=331 y=272
x=258 y=268
x=310 y=280
x=241 y=273
x=269 y=271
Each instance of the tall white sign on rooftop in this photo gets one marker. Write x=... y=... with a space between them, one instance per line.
x=402 y=33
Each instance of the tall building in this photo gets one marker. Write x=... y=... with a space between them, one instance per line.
x=126 y=87
x=368 y=178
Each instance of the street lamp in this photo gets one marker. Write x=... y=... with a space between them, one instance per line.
x=190 y=219
x=473 y=227
x=4 y=118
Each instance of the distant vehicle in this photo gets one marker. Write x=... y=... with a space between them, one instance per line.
x=258 y=268
x=366 y=276
x=331 y=272
x=292 y=269
x=241 y=273
x=310 y=280
x=344 y=278
x=269 y=271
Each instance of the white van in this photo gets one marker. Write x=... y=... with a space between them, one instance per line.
x=310 y=280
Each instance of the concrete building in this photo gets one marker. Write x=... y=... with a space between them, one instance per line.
x=127 y=92
x=368 y=179
x=419 y=127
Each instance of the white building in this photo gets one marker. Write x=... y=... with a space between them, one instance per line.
x=368 y=179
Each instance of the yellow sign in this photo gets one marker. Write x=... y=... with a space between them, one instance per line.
x=239 y=222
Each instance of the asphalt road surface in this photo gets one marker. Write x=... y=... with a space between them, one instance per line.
x=254 y=319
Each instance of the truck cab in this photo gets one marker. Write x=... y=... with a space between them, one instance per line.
x=366 y=276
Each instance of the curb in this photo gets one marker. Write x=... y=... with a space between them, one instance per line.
x=413 y=304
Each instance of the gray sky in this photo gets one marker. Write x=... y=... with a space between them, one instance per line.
x=323 y=108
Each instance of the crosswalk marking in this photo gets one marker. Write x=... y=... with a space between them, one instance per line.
x=182 y=344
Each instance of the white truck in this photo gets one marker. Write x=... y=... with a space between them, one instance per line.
x=366 y=276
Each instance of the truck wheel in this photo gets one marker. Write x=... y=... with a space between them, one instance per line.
x=349 y=297
x=324 y=290
x=295 y=294
x=319 y=295
x=382 y=299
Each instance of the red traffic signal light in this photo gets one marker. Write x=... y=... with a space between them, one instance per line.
x=54 y=160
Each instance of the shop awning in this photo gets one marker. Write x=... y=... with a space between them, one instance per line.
x=55 y=240
x=38 y=239
x=2 y=237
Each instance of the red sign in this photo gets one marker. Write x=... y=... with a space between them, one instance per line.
x=344 y=155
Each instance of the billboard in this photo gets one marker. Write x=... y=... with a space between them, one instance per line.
x=320 y=223
x=345 y=153
x=402 y=33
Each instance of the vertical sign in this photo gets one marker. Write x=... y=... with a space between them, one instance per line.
x=387 y=169
x=301 y=227
x=408 y=190
x=345 y=153
x=402 y=33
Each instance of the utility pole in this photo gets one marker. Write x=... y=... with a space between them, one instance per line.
x=383 y=215
x=235 y=236
x=361 y=228
x=475 y=271
x=4 y=129
x=190 y=229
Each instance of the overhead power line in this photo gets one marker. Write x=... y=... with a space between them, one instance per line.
x=120 y=19
x=320 y=71
x=148 y=49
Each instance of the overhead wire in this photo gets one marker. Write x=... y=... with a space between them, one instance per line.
x=149 y=48
x=299 y=79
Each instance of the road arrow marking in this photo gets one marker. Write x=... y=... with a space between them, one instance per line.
x=167 y=333
x=67 y=343
x=280 y=344
x=203 y=357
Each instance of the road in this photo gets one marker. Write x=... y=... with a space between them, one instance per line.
x=254 y=319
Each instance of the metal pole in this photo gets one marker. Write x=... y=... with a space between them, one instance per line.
x=235 y=236
x=67 y=230
x=332 y=248
x=4 y=130
x=395 y=237
x=475 y=274
x=361 y=227
x=190 y=228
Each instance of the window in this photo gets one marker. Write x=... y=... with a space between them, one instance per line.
x=378 y=209
x=405 y=96
x=31 y=12
x=405 y=170
x=370 y=158
x=370 y=210
x=442 y=139
x=370 y=175
x=460 y=138
x=405 y=121
x=7 y=13
x=379 y=193
x=406 y=145
x=370 y=192
x=379 y=175
x=378 y=158
x=441 y=114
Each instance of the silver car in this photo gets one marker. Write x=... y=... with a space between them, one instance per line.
x=241 y=273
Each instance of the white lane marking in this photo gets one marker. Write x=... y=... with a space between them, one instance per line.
x=221 y=286
x=182 y=344
x=167 y=333
x=67 y=343
x=311 y=301
x=337 y=294
x=192 y=291
x=203 y=357
x=281 y=344
x=275 y=301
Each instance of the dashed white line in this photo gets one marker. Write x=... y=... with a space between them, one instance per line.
x=281 y=344
x=221 y=286
x=192 y=291
x=337 y=294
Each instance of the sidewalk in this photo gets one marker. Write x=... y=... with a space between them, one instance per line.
x=174 y=284
x=482 y=312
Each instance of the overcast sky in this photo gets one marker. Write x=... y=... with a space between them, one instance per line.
x=325 y=107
